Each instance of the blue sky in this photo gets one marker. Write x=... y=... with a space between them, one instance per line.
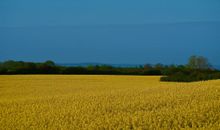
x=114 y=31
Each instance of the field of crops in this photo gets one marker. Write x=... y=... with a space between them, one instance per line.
x=106 y=102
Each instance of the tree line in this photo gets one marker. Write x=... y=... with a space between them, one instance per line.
x=198 y=68
x=49 y=67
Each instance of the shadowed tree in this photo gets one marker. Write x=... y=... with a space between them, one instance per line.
x=198 y=62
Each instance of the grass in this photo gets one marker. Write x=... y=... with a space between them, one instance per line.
x=107 y=102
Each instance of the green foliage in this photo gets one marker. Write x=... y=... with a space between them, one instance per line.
x=49 y=67
x=190 y=75
x=197 y=69
x=49 y=63
x=20 y=67
x=198 y=62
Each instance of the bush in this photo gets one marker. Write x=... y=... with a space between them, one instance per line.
x=194 y=75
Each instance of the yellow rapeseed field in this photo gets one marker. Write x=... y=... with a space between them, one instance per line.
x=106 y=102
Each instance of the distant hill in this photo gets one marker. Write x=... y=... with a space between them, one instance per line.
x=114 y=65
x=93 y=64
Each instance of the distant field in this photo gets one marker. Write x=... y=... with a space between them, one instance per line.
x=106 y=102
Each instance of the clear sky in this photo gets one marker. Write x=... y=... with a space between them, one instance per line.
x=113 y=31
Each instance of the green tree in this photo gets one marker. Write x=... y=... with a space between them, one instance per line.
x=49 y=63
x=198 y=62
